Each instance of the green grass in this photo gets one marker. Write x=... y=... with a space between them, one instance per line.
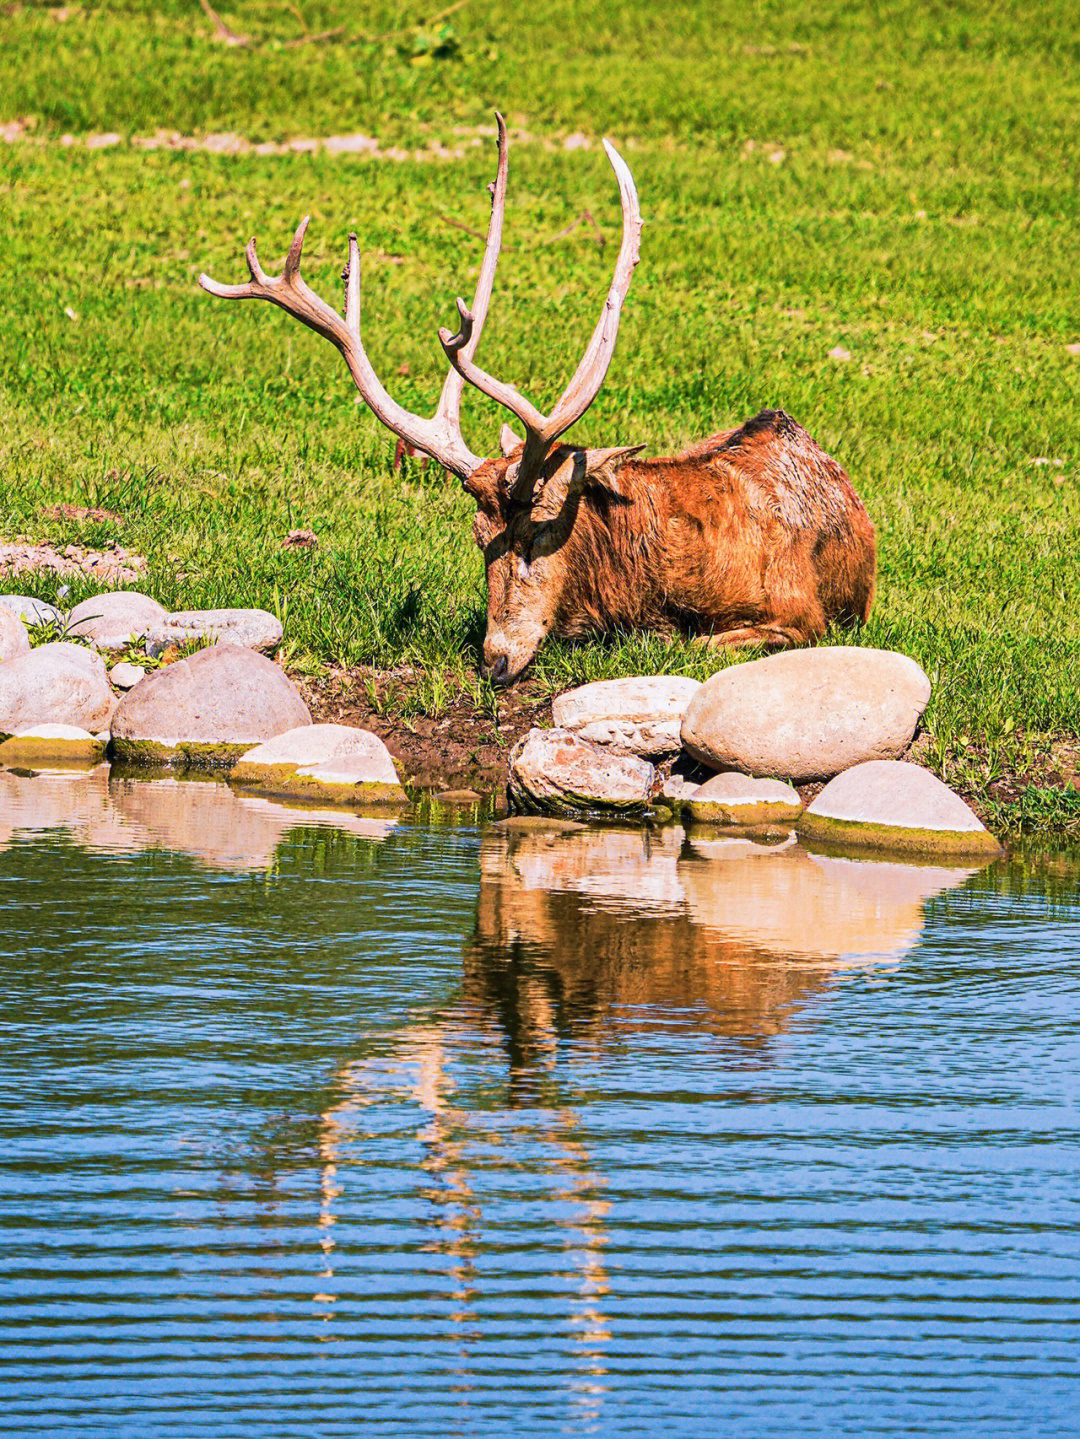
x=924 y=217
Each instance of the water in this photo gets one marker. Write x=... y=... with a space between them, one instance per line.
x=317 y=1126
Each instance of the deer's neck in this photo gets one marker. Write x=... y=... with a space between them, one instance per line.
x=614 y=560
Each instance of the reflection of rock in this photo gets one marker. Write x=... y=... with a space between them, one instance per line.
x=601 y=930
x=204 y=819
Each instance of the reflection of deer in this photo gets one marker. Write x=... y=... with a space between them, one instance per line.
x=599 y=935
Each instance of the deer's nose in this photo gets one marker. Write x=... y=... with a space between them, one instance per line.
x=498 y=672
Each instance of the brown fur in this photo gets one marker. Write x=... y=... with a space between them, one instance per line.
x=753 y=536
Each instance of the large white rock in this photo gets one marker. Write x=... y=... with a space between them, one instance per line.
x=207 y=709
x=807 y=714
x=642 y=715
x=32 y=611
x=112 y=620
x=55 y=684
x=13 y=637
x=256 y=629
x=323 y=761
x=733 y=798
x=891 y=804
x=553 y=771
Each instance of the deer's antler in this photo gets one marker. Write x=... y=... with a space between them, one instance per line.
x=440 y=436
x=542 y=430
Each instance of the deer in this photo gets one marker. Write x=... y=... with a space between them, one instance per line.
x=753 y=536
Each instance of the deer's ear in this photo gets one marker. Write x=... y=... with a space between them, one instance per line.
x=508 y=441
x=602 y=466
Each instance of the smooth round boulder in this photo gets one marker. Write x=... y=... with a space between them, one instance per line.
x=255 y=629
x=14 y=640
x=50 y=744
x=891 y=804
x=206 y=710
x=55 y=684
x=302 y=760
x=738 y=799
x=110 y=621
x=125 y=676
x=807 y=714
x=553 y=771
x=32 y=611
x=641 y=715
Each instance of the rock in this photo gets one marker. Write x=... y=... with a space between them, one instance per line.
x=55 y=684
x=297 y=761
x=255 y=629
x=890 y=804
x=642 y=715
x=50 y=744
x=458 y=796
x=125 y=676
x=32 y=611
x=13 y=637
x=685 y=778
x=206 y=710
x=807 y=714
x=733 y=798
x=553 y=771
x=112 y=620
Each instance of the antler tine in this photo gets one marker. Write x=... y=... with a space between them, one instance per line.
x=541 y=430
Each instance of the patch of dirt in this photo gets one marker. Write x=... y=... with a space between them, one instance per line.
x=462 y=747
x=114 y=565
x=80 y=512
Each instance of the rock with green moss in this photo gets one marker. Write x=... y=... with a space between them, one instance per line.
x=206 y=711
x=302 y=762
x=50 y=744
x=554 y=771
x=894 y=805
x=732 y=798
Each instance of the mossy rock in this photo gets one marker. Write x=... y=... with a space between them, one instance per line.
x=185 y=754
x=951 y=844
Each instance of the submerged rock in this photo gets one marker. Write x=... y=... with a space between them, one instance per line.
x=32 y=611
x=890 y=804
x=553 y=771
x=642 y=715
x=14 y=640
x=739 y=799
x=51 y=744
x=55 y=684
x=112 y=620
x=207 y=710
x=323 y=761
x=254 y=629
x=807 y=714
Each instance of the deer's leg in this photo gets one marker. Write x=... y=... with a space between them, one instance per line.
x=773 y=637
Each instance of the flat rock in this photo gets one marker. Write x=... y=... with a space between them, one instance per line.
x=50 y=744
x=739 y=799
x=207 y=709
x=14 y=640
x=32 y=611
x=363 y=779
x=255 y=629
x=112 y=620
x=125 y=676
x=296 y=762
x=55 y=684
x=641 y=715
x=891 y=804
x=554 y=771
x=807 y=714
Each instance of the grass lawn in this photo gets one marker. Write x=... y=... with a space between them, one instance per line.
x=897 y=182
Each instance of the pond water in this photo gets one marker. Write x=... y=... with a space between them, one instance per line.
x=317 y=1125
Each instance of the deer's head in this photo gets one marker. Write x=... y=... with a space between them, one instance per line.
x=528 y=496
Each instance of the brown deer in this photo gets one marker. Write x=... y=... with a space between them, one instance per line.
x=753 y=536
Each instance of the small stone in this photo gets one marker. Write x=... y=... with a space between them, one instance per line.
x=641 y=715
x=255 y=629
x=207 y=710
x=891 y=804
x=733 y=798
x=537 y=824
x=807 y=714
x=14 y=640
x=553 y=771
x=50 y=744
x=458 y=796
x=32 y=611
x=125 y=676
x=295 y=762
x=55 y=684
x=111 y=621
